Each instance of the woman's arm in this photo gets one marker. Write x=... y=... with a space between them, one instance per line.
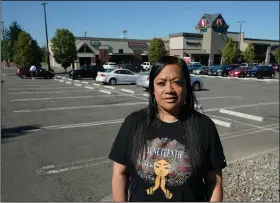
x=215 y=186
x=119 y=183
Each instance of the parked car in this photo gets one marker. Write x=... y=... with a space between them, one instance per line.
x=110 y=65
x=144 y=79
x=224 y=70
x=260 y=72
x=201 y=71
x=133 y=68
x=117 y=76
x=212 y=70
x=238 y=72
x=194 y=67
x=85 y=72
x=24 y=72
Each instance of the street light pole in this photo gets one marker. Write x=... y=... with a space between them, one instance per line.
x=239 y=45
x=5 y=45
x=46 y=28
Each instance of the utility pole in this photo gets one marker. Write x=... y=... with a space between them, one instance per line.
x=5 y=44
x=48 y=52
x=85 y=33
x=239 y=45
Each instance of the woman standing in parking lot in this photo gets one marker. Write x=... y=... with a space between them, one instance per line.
x=168 y=151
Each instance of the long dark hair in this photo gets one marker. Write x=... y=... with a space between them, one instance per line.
x=188 y=117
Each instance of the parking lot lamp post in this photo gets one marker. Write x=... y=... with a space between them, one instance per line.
x=46 y=28
x=239 y=44
x=5 y=44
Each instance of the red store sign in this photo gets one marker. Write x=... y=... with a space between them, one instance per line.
x=136 y=44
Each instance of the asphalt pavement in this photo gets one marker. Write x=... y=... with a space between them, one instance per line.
x=57 y=133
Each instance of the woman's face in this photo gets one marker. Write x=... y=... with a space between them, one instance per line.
x=169 y=88
x=162 y=168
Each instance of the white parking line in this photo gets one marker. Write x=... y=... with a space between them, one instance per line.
x=243 y=123
x=77 y=84
x=42 y=88
x=79 y=107
x=58 y=76
x=241 y=106
x=109 y=87
x=52 y=169
x=76 y=80
x=241 y=115
x=249 y=130
x=68 y=83
x=106 y=92
x=222 y=123
x=55 y=79
x=63 y=77
x=61 y=80
x=84 y=82
x=48 y=92
x=75 y=97
x=95 y=84
x=252 y=132
x=146 y=95
x=129 y=91
x=88 y=87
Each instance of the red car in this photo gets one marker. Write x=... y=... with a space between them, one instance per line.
x=238 y=72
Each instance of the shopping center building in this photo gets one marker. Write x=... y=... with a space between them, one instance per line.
x=204 y=46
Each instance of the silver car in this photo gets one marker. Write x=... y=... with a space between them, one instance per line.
x=117 y=76
x=143 y=81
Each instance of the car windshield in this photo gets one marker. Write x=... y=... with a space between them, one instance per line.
x=82 y=68
x=238 y=69
x=108 y=70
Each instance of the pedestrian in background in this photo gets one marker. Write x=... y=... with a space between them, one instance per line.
x=168 y=151
x=33 y=70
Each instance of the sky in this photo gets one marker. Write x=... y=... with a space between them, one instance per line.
x=142 y=20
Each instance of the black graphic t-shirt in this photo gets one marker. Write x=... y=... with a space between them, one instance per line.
x=164 y=173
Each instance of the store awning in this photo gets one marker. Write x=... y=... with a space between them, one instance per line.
x=196 y=52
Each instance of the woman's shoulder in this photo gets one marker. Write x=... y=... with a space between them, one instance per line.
x=137 y=116
x=204 y=120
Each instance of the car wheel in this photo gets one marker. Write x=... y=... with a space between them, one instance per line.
x=78 y=77
x=272 y=75
x=196 y=86
x=224 y=75
x=112 y=81
x=259 y=76
x=23 y=76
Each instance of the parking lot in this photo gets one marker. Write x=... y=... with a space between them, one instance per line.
x=56 y=134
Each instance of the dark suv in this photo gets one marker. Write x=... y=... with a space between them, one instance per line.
x=260 y=72
x=224 y=70
x=86 y=72
x=24 y=72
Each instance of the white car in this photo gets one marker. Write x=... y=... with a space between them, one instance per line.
x=143 y=81
x=117 y=76
x=110 y=65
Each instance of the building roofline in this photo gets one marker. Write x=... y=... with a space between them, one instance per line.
x=255 y=39
x=112 y=39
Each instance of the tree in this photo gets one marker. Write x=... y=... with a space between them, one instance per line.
x=156 y=50
x=11 y=35
x=276 y=54
x=249 y=54
x=230 y=52
x=64 y=48
x=27 y=51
